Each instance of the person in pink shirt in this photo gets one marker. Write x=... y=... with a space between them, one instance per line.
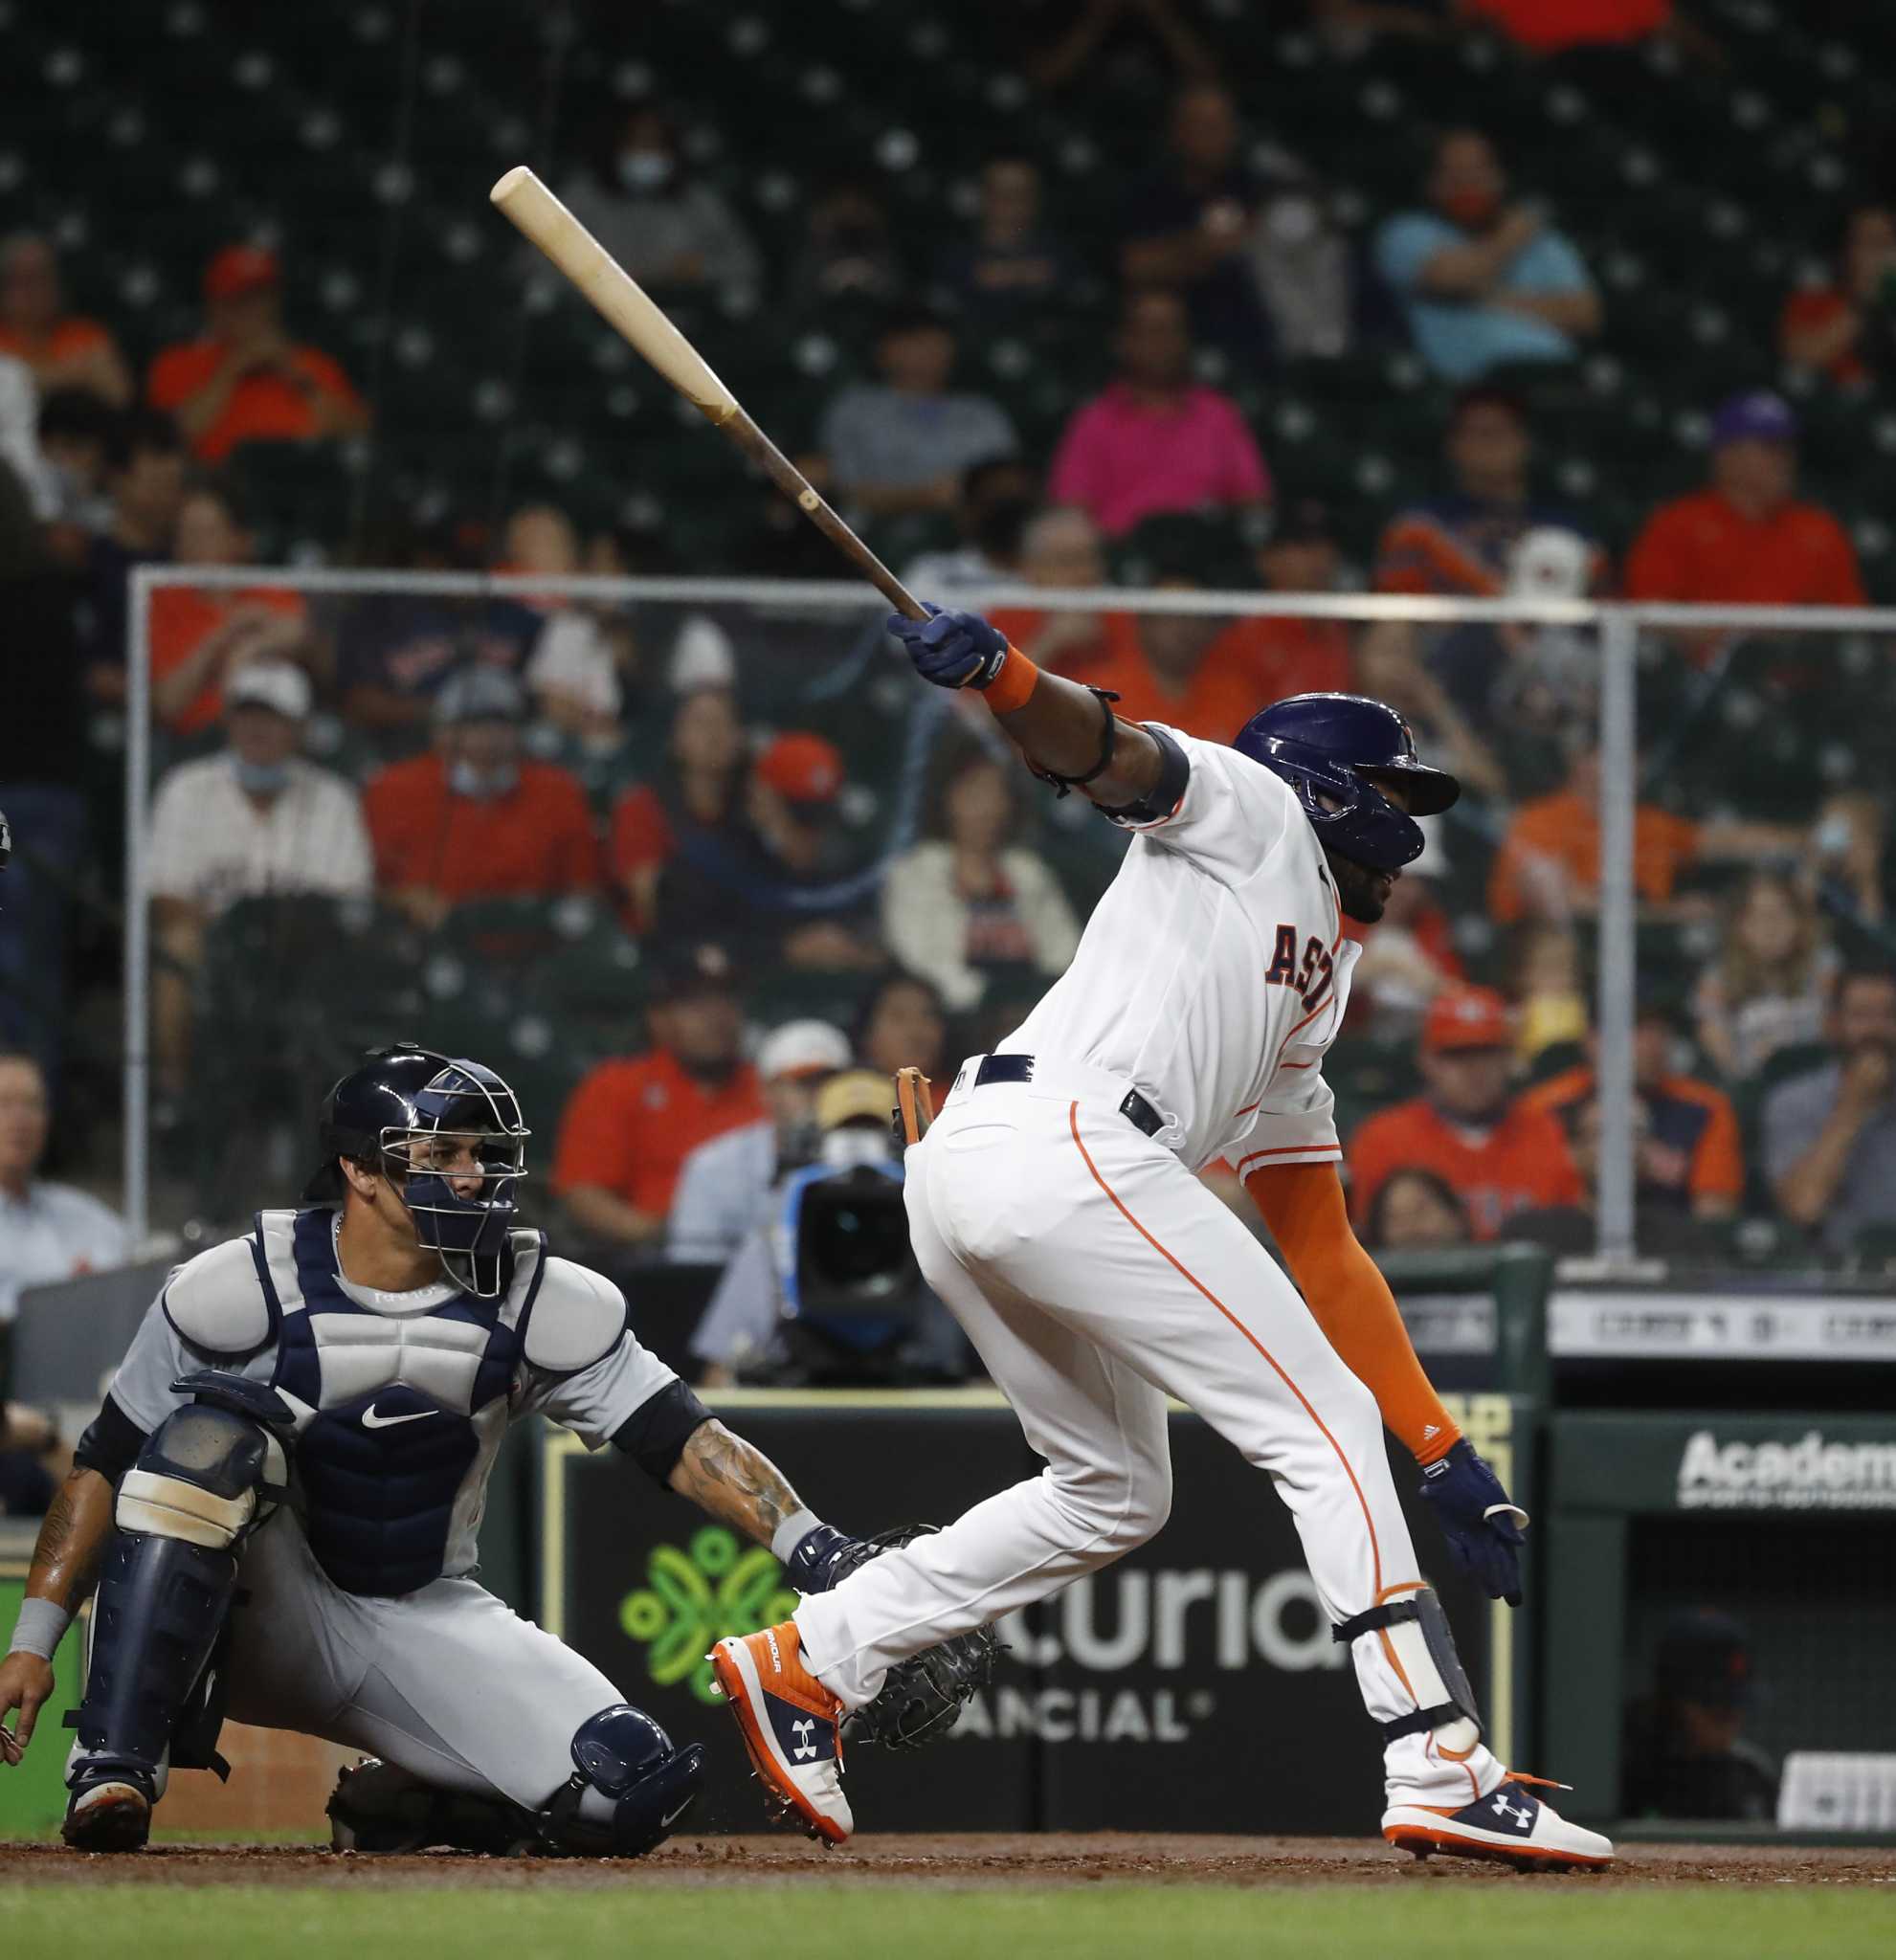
x=1156 y=440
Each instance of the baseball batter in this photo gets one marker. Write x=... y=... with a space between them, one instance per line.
x=283 y=1485
x=1053 y=1206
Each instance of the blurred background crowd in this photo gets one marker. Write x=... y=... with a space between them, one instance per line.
x=1464 y=298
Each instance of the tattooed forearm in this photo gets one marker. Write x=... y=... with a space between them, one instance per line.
x=72 y=1535
x=738 y=1485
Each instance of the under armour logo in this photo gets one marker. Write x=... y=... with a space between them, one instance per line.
x=1503 y=1809
x=803 y=1730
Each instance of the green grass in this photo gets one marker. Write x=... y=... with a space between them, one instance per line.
x=1547 y=1919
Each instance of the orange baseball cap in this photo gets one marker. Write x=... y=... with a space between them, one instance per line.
x=802 y=767
x=1467 y=1018
x=240 y=269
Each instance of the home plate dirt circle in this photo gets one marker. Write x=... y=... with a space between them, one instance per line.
x=959 y=1861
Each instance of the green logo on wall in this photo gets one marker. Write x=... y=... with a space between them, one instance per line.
x=696 y=1596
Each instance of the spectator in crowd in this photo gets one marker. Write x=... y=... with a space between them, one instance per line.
x=1847 y=856
x=1744 y=539
x=25 y=1484
x=901 y=444
x=1690 y=1161
x=255 y=820
x=21 y=458
x=1410 y=958
x=576 y=673
x=203 y=635
x=1468 y=1126
x=793 y=807
x=904 y=1024
x=1012 y=266
x=1829 y=1137
x=63 y=349
x=76 y=429
x=991 y=513
x=144 y=483
x=724 y=1185
x=1156 y=440
x=1415 y=1210
x=967 y=906
x=847 y=252
x=1540 y=28
x=1286 y=654
x=48 y=1232
x=1685 y=1748
x=1188 y=669
x=1483 y=280
x=1548 y=866
x=1571 y=1229
x=632 y=1123
x=778 y=541
x=700 y=787
x=667 y=227
x=1548 y=987
x=1061 y=551
x=398 y=649
x=244 y=380
x=1093 y=39
x=475 y=818
x=1846 y=331
x=1247 y=242
x=1770 y=983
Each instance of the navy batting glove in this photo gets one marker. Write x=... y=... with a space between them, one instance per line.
x=813 y=1564
x=952 y=649
x=1481 y=1522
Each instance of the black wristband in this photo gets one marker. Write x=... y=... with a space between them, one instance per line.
x=653 y=1436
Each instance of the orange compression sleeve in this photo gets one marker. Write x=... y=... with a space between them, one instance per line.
x=1013 y=686
x=1304 y=1206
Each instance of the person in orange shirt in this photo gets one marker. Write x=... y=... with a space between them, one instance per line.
x=201 y=635
x=632 y=1122
x=245 y=379
x=475 y=818
x=1744 y=539
x=1287 y=655
x=1689 y=1155
x=1548 y=866
x=63 y=349
x=1497 y=1155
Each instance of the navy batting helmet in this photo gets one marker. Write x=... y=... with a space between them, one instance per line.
x=434 y=1122
x=1330 y=749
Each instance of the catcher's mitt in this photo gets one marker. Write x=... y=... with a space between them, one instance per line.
x=922 y=1697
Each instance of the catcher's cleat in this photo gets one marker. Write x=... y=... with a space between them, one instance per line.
x=114 y=1813
x=789 y=1721
x=1510 y=1825
x=377 y=1810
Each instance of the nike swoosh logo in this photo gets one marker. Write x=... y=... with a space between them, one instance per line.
x=665 y=1823
x=371 y=1420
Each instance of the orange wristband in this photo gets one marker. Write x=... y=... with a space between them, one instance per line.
x=1013 y=685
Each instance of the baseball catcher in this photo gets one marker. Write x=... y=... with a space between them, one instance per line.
x=279 y=1496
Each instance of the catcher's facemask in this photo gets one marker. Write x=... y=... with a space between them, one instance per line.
x=460 y=1163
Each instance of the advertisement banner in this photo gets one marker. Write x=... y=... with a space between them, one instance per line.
x=1193 y=1686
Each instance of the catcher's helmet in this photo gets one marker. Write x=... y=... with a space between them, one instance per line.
x=403 y=1110
x=1333 y=746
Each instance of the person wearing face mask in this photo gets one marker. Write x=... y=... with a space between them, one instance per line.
x=668 y=228
x=1483 y=280
x=255 y=820
x=475 y=818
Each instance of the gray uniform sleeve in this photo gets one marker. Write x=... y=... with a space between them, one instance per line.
x=158 y=1354
x=598 y=1401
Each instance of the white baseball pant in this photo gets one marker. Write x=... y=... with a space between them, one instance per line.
x=1095 y=1276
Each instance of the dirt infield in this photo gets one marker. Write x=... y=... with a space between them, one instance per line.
x=958 y=1862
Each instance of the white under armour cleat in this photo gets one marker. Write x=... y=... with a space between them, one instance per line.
x=1510 y=1825
x=789 y=1721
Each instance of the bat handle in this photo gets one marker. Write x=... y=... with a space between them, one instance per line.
x=804 y=494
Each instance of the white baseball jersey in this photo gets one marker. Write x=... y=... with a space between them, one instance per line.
x=1214 y=973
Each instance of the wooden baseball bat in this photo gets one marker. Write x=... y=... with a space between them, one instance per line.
x=526 y=201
